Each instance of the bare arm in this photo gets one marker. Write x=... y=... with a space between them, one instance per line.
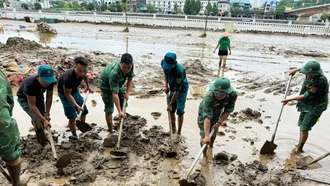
x=87 y=82
x=300 y=97
x=223 y=117
x=33 y=106
x=216 y=47
x=229 y=49
x=49 y=100
x=129 y=85
x=207 y=125
x=67 y=93
x=116 y=101
x=175 y=95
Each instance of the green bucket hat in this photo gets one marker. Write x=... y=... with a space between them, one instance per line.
x=221 y=86
x=312 y=68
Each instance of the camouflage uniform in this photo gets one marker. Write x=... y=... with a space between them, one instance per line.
x=315 y=92
x=10 y=149
x=112 y=80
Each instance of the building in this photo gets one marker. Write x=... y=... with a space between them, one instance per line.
x=223 y=6
x=17 y=3
x=167 y=5
x=256 y=3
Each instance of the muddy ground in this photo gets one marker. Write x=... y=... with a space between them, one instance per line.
x=257 y=69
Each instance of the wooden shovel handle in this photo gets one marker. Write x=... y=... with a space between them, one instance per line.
x=52 y=143
x=318 y=159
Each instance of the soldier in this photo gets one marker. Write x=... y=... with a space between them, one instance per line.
x=10 y=150
x=214 y=109
x=312 y=99
x=31 y=98
x=69 y=94
x=112 y=79
x=176 y=83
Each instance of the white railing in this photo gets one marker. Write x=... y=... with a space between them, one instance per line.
x=174 y=22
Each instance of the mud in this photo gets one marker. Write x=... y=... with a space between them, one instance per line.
x=90 y=157
x=245 y=115
x=44 y=28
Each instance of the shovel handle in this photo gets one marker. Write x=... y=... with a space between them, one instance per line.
x=197 y=157
x=169 y=121
x=318 y=159
x=52 y=143
x=121 y=124
x=4 y=172
x=279 y=116
x=83 y=105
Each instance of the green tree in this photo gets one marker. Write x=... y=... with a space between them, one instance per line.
x=208 y=8
x=150 y=7
x=83 y=6
x=91 y=6
x=97 y=6
x=37 y=6
x=198 y=6
x=104 y=7
x=324 y=16
x=186 y=7
x=215 y=9
x=247 y=13
x=112 y=8
x=236 y=11
x=119 y=8
x=124 y=6
x=24 y=6
x=279 y=12
x=176 y=6
x=61 y=4
x=70 y=5
x=75 y=5
x=66 y=5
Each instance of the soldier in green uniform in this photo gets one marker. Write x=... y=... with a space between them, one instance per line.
x=10 y=150
x=112 y=79
x=215 y=108
x=312 y=99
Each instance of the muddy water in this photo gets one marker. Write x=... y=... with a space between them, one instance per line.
x=251 y=61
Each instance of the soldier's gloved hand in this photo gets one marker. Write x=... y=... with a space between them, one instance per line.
x=47 y=116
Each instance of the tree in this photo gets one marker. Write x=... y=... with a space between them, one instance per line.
x=324 y=16
x=83 y=6
x=150 y=7
x=236 y=11
x=279 y=12
x=186 y=7
x=119 y=8
x=66 y=5
x=37 y=6
x=124 y=6
x=247 y=13
x=208 y=8
x=24 y=6
x=176 y=6
x=215 y=9
x=104 y=7
x=91 y=6
x=75 y=5
x=198 y=6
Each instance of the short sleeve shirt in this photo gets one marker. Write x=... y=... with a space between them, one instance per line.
x=112 y=78
x=31 y=87
x=176 y=78
x=69 y=80
x=315 y=92
x=211 y=107
x=224 y=43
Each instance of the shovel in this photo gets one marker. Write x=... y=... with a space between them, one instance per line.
x=82 y=126
x=184 y=182
x=65 y=160
x=309 y=161
x=270 y=146
x=172 y=153
x=117 y=154
x=5 y=173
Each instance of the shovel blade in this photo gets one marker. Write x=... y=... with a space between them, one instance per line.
x=268 y=148
x=184 y=182
x=116 y=154
x=82 y=126
x=305 y=163
x=171 y=154
x=64 y=161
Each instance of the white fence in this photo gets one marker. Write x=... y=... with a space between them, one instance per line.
x=174 y=22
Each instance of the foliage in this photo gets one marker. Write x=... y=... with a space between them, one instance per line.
x=24 y=6
x=37 y=6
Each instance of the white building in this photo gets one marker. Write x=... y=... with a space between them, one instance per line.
x=223 y=6
x=256 y=3
x=167 y=5
x=44 y=3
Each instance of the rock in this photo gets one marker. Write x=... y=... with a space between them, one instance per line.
x=233 y=157
x=222 y=156
x=232 y=137
x=221 y=133
x=262 y=167
x=109 y=143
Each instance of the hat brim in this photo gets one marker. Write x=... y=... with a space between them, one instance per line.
x=48 y=79
x=222 y=91
x=309 y=73
x=166 y=66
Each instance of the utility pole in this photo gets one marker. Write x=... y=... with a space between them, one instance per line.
x=207 y=13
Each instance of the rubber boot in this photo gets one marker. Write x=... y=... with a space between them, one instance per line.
x=15 y=173
x=40 y=133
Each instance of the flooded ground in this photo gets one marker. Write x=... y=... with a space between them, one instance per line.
x=257 y=68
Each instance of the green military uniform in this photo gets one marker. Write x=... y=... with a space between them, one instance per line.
x=9 y=133
x=112 y=80
x=212 y=108
x=315 y=92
